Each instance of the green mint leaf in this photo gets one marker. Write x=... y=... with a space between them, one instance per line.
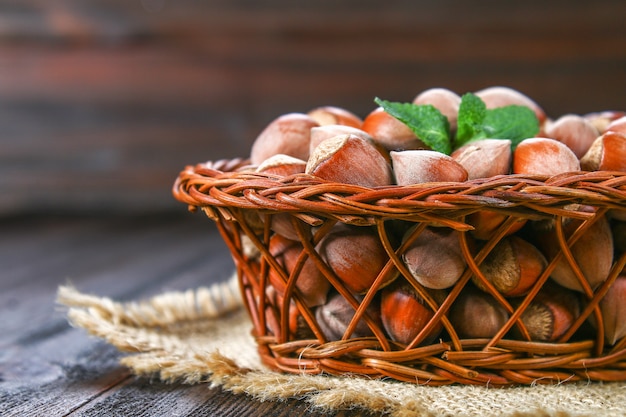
x=472 y=113
x=511 y=122
x=475 y=121
x=426 y=121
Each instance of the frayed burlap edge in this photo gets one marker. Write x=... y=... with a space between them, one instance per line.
x=181 y=336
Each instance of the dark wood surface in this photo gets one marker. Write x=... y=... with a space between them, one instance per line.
x=103 y=102
x=48 y=368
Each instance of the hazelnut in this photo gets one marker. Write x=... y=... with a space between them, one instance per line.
x=607 y=153
x=390 y=132
x=422 y=166
x=435 y=258
x=446 y=101
x=333 y=115
x=335 y=316
x=281 y=223
x=602 y=119
x=613 y=308
x=355 y=254
x=350 y=159
x=574 y=131
x=484 y=158
x=618 y=126
x=298 y=327
x=311 y=283
x=544 y=156
x=593 y=252
x=283 y=165
x=486 y=222
x=288 y=134
x=618 y=227
x=551 y=313
x=500 y=96
x=475 y=314
x=321 y=133
x=513 y=266
x=404 y=313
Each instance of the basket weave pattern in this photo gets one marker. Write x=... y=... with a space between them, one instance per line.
x=242 y=202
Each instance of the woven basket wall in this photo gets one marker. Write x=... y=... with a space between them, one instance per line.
x=243 y=204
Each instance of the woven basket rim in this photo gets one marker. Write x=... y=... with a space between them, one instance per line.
x=226 y=183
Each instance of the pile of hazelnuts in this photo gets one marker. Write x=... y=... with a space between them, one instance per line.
x=336 y=145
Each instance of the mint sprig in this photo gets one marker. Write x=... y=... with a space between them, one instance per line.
x=426 y=121
x=474 y=122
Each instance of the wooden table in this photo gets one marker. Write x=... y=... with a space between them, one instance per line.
x=48 y=368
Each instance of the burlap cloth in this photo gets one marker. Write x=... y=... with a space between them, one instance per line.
x=203 y=336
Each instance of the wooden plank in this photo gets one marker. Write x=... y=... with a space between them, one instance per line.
x=48 y=368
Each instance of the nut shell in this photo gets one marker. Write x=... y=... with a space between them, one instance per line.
x=513 y=266
x=544 y=156
x=287 y=134
x=350 y=159
x=404 y=313
x=607 y=153
x=485 y=158
x=356 y=255
x=475 y=314
x=310 y=282
x=335 y=316
x=333 y=115
x=422 y=166
x=434 y=258
x=574 y=131
x=390 y=132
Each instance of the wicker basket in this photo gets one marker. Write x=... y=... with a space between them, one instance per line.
x=241 y=202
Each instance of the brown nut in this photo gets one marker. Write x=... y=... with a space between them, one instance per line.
x=356 y=255
x=618 y=126
x=593 y=252
x=404 y=313
x=602 y=119
x=607 y=153
x=544 y=156
x=287 y=134
x=513 y=266
x=283 y=165
x=434 y=258
x=551 y=313
x=298 y=327
x=484 y=158
x=574 y=131
x=422 y=166
x=321 y=133
x=335 y=316
x=475 y=314
x=350 y=159
x=500 y=96
x=333 y=115
x=485 y=224
x=281 y=223
x=613 y=308
x=446 y=101
x=618 y=227
x=390 y=132
x=310 y=282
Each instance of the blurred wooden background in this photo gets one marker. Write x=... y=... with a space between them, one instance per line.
x=103 y=102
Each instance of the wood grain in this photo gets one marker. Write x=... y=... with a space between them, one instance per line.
x=102 y=103
x=49 y=368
